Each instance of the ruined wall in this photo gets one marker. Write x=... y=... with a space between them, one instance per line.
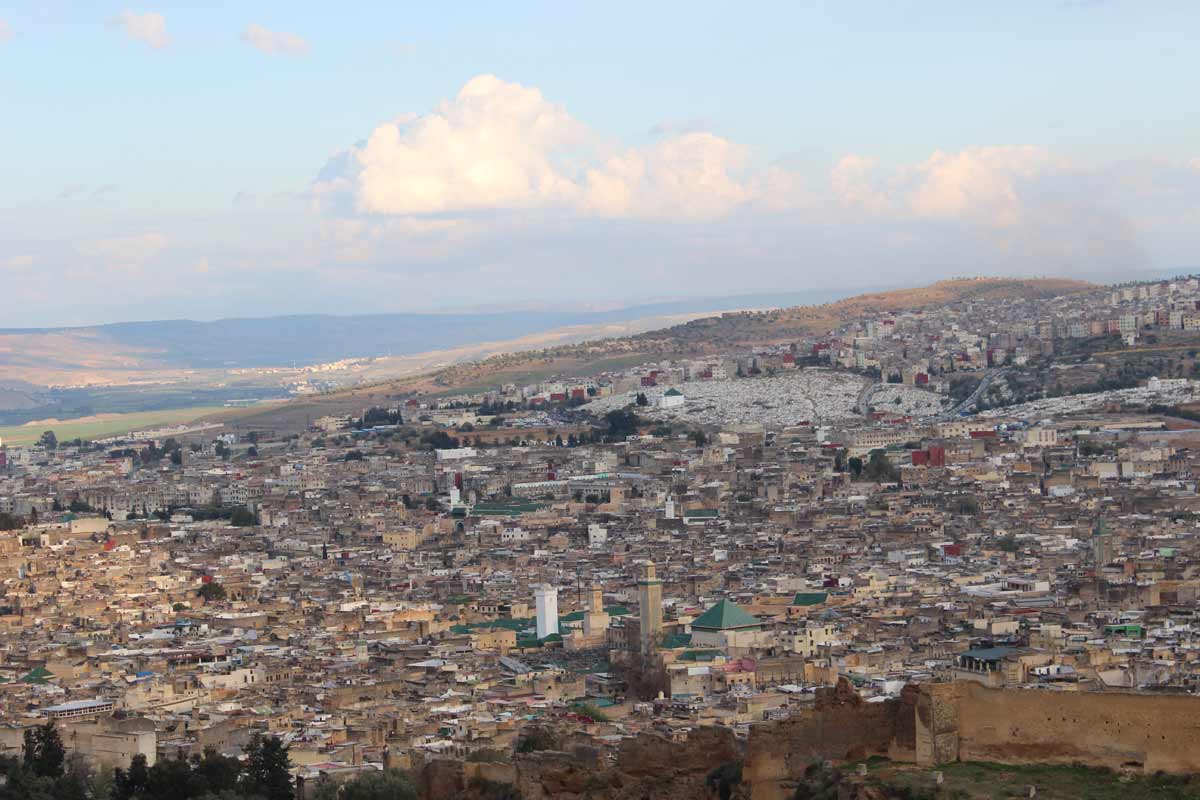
x=935 y=723
x=841 y=726
x=1109 y=729
x=928 y=724
x=648 y=766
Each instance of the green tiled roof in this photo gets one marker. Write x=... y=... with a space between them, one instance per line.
x=505 y=508
x=511 y=624
x=810 y=598
x=676 y=640
x=724 y=616
x=612 y=611
x=39 y=676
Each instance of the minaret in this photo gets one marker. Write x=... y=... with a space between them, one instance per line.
x=595 y=621
x=546 y=600
x=650 y=606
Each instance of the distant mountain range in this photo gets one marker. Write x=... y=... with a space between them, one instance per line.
x=313 y=339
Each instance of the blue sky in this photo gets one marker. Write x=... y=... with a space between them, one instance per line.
x=173 y=160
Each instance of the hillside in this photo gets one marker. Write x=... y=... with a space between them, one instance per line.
x=786 y=324
x=697 y=337
x=744 y=328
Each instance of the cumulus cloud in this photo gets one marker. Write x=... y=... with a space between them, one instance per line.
x=983 y=184
x=6 y=31
x=149 y=28
x=501 y=145
x=274 y=43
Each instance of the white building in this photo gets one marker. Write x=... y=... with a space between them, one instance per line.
x=672 y=398
x=546 y=600
x=597 y=535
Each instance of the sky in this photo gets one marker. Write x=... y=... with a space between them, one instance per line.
x=260 y=158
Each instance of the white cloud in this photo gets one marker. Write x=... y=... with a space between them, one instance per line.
x=854 y=181
x=274 y=43
x=500 y=145
x=983 y=184
x=6 y=31
x=149 y=28
x=495 y=145
x=695 y=175
x=980 y=182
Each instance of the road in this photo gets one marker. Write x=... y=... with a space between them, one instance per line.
x=863 y=404
x=973 y=398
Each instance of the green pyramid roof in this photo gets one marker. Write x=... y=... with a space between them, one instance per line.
x=724 y=616
x=39 y=675
x=672 y=393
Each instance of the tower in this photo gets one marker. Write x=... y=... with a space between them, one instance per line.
x=546 y=600
x=650 y=608
x=595 y=621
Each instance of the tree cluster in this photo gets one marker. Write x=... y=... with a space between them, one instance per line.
x=264 y=775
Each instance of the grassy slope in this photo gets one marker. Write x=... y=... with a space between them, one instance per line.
x=106 y=425
x=987 y=781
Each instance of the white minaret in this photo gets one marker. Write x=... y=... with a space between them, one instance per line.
x=546 y=598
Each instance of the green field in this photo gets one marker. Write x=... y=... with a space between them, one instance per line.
x=105 y=425
x=987 y=781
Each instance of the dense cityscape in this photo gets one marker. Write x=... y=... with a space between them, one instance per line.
x=522 y=591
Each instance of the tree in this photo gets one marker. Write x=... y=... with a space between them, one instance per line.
x=856 y=466
x=644 y=677
x=242 y=518
x=267 y=766
x=724 y=778
x=621 y=423
x=220 y=773
x=880 y=468
x=48 y=440
x=44 y=753
x=642 y=400
x=212 y=591
x=133 y=782
x=390 y=784
x=536 y=739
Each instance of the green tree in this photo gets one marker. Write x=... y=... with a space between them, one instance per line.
x=267 y=766
x=391 y=784
x=880 y=468
x=133 y=782
x=621 y=423
x=44 y=753
x=212 y=591
x=48 y=440
x=220 y=773
x=243 y=518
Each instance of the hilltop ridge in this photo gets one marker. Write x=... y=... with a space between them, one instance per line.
x=698 y=337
